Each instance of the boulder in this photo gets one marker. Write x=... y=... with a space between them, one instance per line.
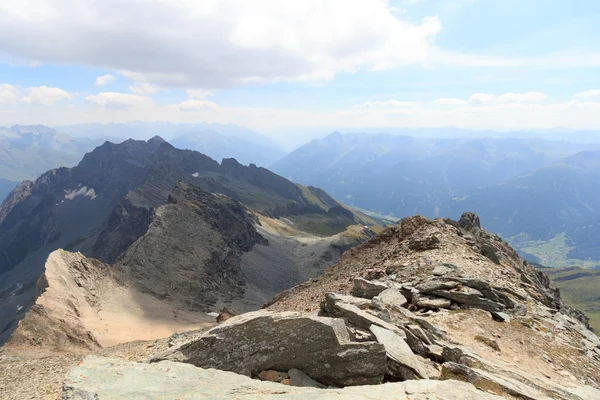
x=262 y=340
x=357 y=317
x=402 y=362
x=392 y=298
x=432 y=303
x=114 y=379
x=367 y=289
x=501 y=316
x=469 y=221
x=430 y=285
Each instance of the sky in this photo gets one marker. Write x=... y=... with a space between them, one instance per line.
x=287 y=66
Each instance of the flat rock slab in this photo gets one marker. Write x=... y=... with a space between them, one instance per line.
x=262 y=340
x=399 y=352
x=367 y=289
x=100 y=378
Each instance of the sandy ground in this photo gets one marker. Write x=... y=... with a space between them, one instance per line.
x=126 y=315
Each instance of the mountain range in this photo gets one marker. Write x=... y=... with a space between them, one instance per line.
x=528 y=190
x=178 y=224
x=217 y=141
x=28 y=151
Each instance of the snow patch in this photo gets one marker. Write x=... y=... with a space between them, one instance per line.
x=83 y=191
x=195 y=174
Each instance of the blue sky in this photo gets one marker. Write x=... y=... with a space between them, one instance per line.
x=282 y=65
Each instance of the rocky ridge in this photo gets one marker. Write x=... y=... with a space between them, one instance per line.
x=442 y=307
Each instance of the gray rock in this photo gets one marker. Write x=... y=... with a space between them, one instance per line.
x=400 y=355
x=435 y=284
x=432 y=303
x=471 y=297
x=392 y=298
x=100 y=378
x=359 y=302
x=469 y=221
x=441 y=270
x=367 y=289
x=501 y=316
x=359 y=318
x=494 y=383
x=263 y=340
x=300 y=379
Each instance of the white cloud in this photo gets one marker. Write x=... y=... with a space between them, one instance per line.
x=104 y=80
x=143 y=88
x=196 y=105
x=9 y=94
x=588 y=94
x=198 y=93
x=389 y=103
x=120 y=101
x=481 y=98
x=527 y=97
x=45 y=95
x=216 y=43
x=450 y=102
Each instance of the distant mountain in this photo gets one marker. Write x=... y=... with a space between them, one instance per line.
x=560 y=199
x=218 y=141
x=28 y=151
x=245 y=149
x=402 y=175
x=5 y=188
x=150 y=209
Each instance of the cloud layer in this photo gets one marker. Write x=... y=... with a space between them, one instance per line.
x=215 y=43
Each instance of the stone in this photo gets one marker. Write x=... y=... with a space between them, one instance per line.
x=500 y=316
x=270 y=375
x=373 y=274
x=400 y=355
x=426 y=243
x=359 y=302
x=490 y=382
x=430 y=285
x=287 y=381
x=367 y=289
x=226 y=313
x=355 y=316
x=392 y=298
x=471 y=297
x=300 y=379
x=432 y=303
x=441 y=270
x=263 y=340
x=114 y=379
x=469 y=221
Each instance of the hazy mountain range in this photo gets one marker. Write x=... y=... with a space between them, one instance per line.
x=528 y=190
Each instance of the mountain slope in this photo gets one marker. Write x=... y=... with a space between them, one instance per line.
x=464 y=300
x=120 y=199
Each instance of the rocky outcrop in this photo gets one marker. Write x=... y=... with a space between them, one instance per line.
x=318 y=346
x=112 y=379
x=466 y=309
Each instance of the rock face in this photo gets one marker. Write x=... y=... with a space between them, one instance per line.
x=111 y=379
x=318 y=346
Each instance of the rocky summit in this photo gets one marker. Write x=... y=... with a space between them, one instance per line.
x=427 y=309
